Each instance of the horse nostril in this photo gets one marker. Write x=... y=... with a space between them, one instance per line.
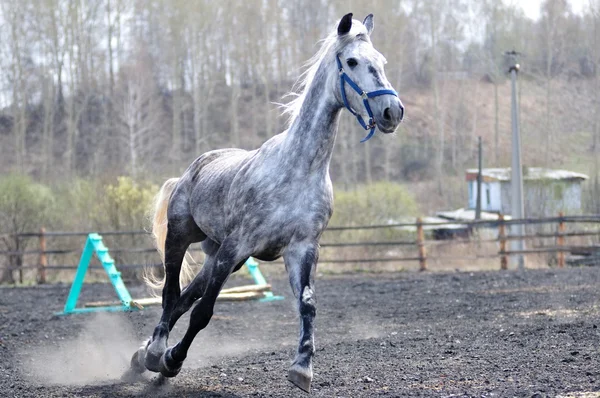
x=401 y=112
x=386 y=114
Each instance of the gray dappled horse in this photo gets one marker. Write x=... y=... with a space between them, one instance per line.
x=270 y=202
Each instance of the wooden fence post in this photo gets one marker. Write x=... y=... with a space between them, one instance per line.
x=19 y=258
x=43 y=262
x=502 y=239
x=560 y=240
x=421 y=246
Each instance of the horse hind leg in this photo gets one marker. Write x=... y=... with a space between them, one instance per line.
x=190 y=294
x=193 y=292
x=216 y=274
x=180 y=234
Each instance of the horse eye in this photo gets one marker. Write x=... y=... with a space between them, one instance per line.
x=352 y=62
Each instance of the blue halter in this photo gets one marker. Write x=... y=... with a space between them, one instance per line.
x=344 y=78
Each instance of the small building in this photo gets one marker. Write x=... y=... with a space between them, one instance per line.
x=546 y=191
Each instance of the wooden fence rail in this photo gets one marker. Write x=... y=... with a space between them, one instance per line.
x=419 y=243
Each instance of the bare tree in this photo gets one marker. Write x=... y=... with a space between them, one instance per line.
x=140 y=115
x=553 y=16
x=99 y=87
x=594 y=48
x=14 y=14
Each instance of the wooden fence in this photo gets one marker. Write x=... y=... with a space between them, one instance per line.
x=580 y=226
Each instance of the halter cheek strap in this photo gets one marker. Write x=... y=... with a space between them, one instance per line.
x=344 y=78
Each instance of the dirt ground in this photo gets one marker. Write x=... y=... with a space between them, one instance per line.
x=504 y=334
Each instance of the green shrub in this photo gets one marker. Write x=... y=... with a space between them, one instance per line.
x=98 y=206
x=82 y=203
x=377 y=203
x=128 y=202
x=126 y=207
x=25 y=206
x=373 y=204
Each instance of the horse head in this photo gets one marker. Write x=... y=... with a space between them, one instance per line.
x=362 y=85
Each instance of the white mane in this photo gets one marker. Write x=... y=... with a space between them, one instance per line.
x=330 y=46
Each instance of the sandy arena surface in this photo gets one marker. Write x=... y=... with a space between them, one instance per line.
x=503 y=334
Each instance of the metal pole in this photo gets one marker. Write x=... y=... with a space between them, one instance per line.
x=479 y=178
x=516 y=182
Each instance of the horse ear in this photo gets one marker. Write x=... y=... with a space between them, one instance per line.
x=368 y=22
x=345 y=24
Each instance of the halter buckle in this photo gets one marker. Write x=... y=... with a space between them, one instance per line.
x=364 y=95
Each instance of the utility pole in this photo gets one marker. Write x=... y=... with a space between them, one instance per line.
x=516 y=181
x=479 y=178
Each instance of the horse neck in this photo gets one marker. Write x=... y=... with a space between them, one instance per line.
x=310 y=138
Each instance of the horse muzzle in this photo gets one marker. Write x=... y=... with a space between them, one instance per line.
x=391 y=116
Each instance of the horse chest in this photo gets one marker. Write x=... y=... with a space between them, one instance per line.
x=283 y=218
x=307 y=206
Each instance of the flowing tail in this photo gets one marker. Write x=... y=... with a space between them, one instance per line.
x=159 y=231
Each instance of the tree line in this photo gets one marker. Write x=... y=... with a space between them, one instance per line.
x=96 y=88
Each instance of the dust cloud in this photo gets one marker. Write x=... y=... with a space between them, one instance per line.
x=101 y=352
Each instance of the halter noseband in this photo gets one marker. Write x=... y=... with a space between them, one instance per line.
x=344 y=78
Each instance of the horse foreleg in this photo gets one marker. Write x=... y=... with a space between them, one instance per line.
x=301 y=262
x=227 y=258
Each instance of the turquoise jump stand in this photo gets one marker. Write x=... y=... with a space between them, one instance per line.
x=259 y=279
x=93 y=245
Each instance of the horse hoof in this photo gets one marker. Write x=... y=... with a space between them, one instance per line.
x=154 y=352
x=168 y=366
x=301 y=377
x=152 y=361
x=137 y=361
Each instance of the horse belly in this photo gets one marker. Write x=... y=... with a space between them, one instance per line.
x=269 y=254
x=269 y=247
